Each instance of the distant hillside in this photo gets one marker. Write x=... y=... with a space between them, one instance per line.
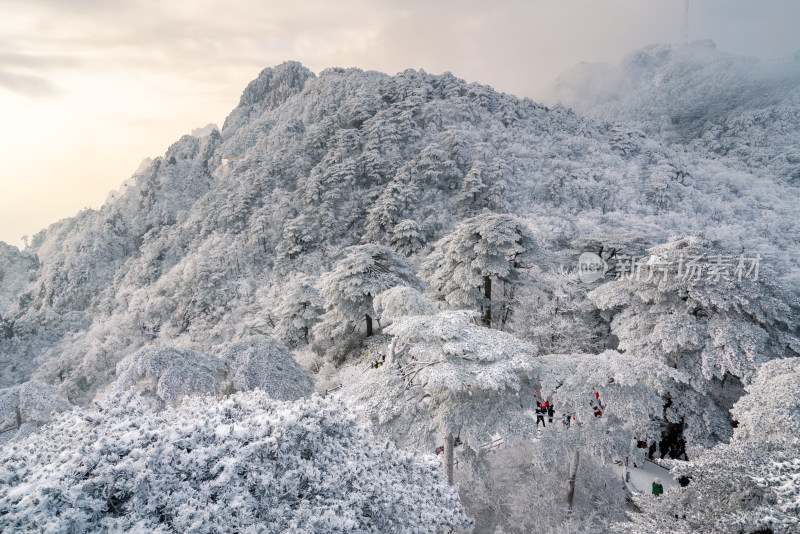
x=719 y=104
x=203 y=243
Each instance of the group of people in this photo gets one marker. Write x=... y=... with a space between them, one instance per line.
x=672 y=444
x=150 y=331
x=596 y=405
x=547 y=408
x=541 y=410
x=378 y=362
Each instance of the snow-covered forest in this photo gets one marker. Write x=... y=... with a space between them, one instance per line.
x=374 y=303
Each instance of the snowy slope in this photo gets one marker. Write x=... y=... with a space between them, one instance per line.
x=740 y=108
x=203 y=250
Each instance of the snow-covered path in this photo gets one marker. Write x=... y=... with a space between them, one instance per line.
x=641 y=478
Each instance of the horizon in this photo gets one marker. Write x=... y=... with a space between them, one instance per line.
x=89 y=91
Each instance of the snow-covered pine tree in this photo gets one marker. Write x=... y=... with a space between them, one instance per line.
x=260 y=362
x=390 y=207
x=706 y=313
x=363 y=272
x=555 y=314
x=469 y=196
x=448 y=377
x=489 y=248
x=402 y=301
x=407 y=237
x=298 y=314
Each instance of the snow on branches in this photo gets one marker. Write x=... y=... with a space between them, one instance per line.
x=169 y=373
x=402 y=301
x=243 y=464
x=363 y=272
x=481 y=250
x=751 y=484
x=449 y=376
x=260 y=362
x=299 y=312
x=27 y=406
x=712 y=328
x=257 y=362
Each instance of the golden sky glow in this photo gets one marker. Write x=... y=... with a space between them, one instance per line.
x=88 y=88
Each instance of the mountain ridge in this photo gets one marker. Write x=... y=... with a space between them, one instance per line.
x=339 y=159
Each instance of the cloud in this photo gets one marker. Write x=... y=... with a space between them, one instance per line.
x=38 y=62
x=514 y=45
x=31 y=75
x=27 y=85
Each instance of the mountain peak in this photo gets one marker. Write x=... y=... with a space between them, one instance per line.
x=272 y=87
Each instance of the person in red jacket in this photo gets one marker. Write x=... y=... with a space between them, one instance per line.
x=540 y=411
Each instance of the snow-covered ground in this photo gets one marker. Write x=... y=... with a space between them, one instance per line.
x=641 y=478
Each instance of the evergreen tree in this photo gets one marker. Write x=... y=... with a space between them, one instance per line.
x=260 y=362
x=298 y=314
x=455 y=379
x=469 y=196
x=348 y=290
x=482 y=250
x=407 y=237
x=704 y=312
x=402 y=301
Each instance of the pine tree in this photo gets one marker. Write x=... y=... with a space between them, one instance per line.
x=260 y=362
x=348 y=290
x=298 y=314
x=482 y=250
x=407 y=237
x=704 y=312
x=402 y=301
x=472 y=187
x=448 y=377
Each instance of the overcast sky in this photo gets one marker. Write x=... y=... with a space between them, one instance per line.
x=88 y=88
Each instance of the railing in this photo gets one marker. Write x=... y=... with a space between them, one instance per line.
x=332 y=390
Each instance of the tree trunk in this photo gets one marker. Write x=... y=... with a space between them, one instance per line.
x=448 y=457
x=626 y=475
x=487 y=310
x=369 y=324
x=505 y=312
x=573 y=471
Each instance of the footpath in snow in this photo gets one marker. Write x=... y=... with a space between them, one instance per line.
x=640 y=479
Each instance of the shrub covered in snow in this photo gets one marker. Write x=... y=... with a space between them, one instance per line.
x=258 y=362
x=170 y=373
x=27 y=406
x=243 y=464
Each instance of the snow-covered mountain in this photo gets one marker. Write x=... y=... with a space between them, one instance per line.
x=320 y=192
x=312 y=164
x=721 y=105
